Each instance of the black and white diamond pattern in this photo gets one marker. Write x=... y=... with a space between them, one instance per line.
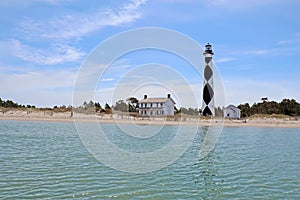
x=208 y=91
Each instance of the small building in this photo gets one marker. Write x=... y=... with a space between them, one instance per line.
x=156 y=106
x=232 y=112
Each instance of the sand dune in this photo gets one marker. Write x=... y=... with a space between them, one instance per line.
x=35 y=115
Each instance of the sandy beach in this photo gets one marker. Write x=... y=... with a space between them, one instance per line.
x=34 y=115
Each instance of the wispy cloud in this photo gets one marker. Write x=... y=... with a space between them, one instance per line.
x=294 y=39
x=31 y=80
x=70 y=27
x=107 y=79
x=18 y=3
x=257 y=52
x=224 y=59
x=272 y=51
x=41 y=88
x=56 y=53
x=61 y=34
x=284 y=42
x=178 y=1
x=251 y=90
x=238 y=4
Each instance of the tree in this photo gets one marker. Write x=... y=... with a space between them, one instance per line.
x=219 y=112
x=107 y=109
x=298 y=110
x=289 y=107
x=189 y=111
x=98 y=107
x=273 y=108
x=134 y=101
x=266 y=108
x=176 y=110
x=91 y=104
x=132 y=104
x=84 y=105
x=245 y=110
x=121 y=106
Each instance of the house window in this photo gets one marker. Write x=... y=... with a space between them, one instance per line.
x=161 y=104
x=151 y=105
x=141 y=105
x=156 y=104
x=150 y=112
x=162 y=112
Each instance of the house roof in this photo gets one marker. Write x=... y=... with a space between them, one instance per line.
x=232 y=107
x=156 y=100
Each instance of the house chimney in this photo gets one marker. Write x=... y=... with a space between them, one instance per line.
x=169 y=96
x=145 y=96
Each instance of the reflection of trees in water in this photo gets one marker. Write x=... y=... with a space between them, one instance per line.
x=206 y=177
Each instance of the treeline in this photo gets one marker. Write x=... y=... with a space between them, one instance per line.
x=188 y=111
x=130 y=105
x=94 y=107
x=286 y=107
x=11 y=104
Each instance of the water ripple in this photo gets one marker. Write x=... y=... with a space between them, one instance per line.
x=47 y=161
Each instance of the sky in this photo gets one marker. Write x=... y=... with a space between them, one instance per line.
x=45 y=43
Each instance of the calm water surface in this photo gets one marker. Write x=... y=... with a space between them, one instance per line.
x=40 y=160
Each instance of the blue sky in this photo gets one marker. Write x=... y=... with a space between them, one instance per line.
x=44 y=42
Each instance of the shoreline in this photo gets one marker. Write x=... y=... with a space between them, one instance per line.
x=267 y=122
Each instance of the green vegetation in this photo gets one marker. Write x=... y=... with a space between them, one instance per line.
x=188 y=111
x=121 y=106
x=11 y=104
x=285 y=107
x=131 y=105
x=90 y=107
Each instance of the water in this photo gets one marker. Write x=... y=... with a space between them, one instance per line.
x=40 y=160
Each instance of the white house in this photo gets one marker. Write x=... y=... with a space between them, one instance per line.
x=156 y=106
x=232 y=112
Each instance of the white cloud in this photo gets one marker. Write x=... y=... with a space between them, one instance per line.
x=224 y=59
x=18 y=3
x=238 y=4
x=76 y=26
x=179 y=1
x=33 y=80
x=60 y=34
x=250 y=52
x=55 y=54
x=107 y=79
x=293 y=40
x=258 y=52
x=285 y=42
x=250 y=90
x=42 y=88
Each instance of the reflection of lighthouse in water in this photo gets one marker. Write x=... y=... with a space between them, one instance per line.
x=208 y=107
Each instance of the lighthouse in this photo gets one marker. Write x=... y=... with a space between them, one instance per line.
x=208 y=107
